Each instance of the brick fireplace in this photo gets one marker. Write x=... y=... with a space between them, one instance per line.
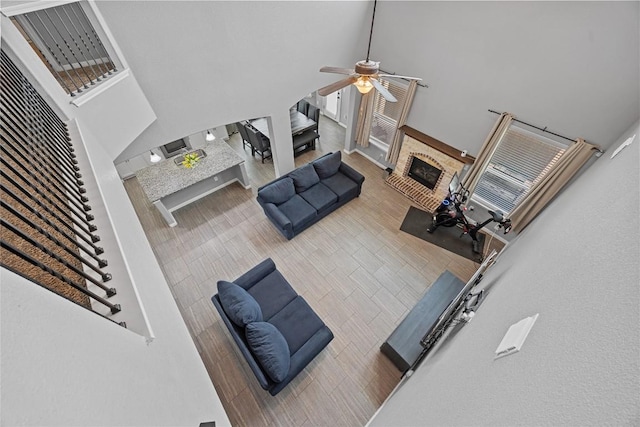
x=437 y=156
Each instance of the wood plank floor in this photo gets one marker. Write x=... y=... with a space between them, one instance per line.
x=355 y=268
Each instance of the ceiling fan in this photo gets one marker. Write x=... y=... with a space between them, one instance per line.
x=364 y=76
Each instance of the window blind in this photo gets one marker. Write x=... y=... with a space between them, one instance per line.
x=520 y=159
x=385 y=113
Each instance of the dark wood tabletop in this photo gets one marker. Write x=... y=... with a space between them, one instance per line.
x=299 y=123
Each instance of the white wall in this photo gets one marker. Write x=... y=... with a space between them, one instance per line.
x=571 y=66
x=577 y=266
x=65 y=366
x=114 y=126
x=204 y=64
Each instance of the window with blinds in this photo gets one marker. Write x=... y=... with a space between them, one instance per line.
x=385 y=113
x=520 y=160
x=68 y=44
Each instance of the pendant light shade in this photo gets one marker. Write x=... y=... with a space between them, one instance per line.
x=210 y=136
x=155 y=158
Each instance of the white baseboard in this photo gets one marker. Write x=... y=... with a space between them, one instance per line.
x=371 y=159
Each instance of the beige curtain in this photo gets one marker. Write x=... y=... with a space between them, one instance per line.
x=544 y=190
x=499 y=129
x=396 y=144
x=365 y=115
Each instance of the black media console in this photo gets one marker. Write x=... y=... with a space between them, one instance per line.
x=403 y=345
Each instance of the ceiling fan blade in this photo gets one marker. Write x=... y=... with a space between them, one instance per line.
x=400 y=77
x=337 y=85
x=337 y=70
x=383 y=91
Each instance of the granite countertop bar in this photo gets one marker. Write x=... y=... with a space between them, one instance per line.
x=165 y=177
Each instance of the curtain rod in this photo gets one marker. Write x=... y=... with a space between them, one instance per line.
x=547 y=131
x=393 y=74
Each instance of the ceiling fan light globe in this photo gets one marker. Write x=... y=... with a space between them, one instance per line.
x=363 y=85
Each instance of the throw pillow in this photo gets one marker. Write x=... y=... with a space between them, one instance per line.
x=328 y=165
x=278 y=192
x=270 y=348
x=304 y=177
x=241 y=307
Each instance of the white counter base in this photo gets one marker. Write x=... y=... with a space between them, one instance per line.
x=171 y=203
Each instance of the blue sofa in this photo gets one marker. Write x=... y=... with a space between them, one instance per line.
x=274 y=327
x=299 y=199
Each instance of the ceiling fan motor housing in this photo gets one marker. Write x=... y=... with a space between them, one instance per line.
x=367 y=68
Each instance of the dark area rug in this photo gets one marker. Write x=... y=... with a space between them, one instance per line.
x=416 y=222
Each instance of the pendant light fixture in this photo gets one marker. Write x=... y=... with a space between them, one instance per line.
x=155 y=158
x=210 y=137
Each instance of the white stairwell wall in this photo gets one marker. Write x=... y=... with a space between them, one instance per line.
x=63 y=365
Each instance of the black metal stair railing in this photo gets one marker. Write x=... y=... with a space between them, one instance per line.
x=68 y=45
x=47 y=234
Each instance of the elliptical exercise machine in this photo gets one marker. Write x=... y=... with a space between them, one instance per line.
x=451 y=213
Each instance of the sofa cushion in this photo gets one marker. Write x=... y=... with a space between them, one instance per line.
x=298 y=211
x=328 y=165
x=297 y=322
x=278 y=192
x=344 y=187
x=272 y=293
x=304 y=177
x=270 y=348
x=320 y=197
x=241 y=307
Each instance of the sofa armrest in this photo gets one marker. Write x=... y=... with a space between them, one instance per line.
x=279 y=219
x=351 y=173
x=257 y=273
x=305 y=354
x=237 y=334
